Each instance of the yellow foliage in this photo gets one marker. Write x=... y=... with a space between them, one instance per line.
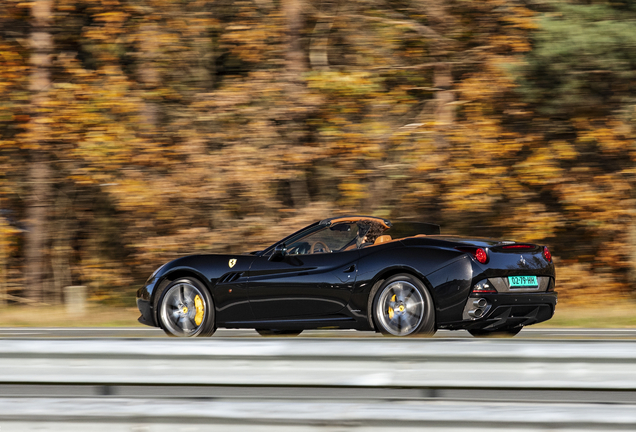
x=563 y=150
x=183 y=126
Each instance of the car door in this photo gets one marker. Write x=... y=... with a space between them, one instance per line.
x=304 y=285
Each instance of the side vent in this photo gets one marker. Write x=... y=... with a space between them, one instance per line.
x=229 y=277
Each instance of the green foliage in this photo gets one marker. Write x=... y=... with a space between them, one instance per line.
x=584 y=59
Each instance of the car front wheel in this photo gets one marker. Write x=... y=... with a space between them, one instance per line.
x=186 y=309
x=404 y=307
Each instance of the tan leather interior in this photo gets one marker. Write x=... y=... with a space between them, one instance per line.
x=382 y=239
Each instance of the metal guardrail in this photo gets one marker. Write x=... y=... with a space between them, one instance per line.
x=280 y=384
x=592 y=365
x=114 y=415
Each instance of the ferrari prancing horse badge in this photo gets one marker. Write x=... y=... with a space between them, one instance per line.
x=232 y=262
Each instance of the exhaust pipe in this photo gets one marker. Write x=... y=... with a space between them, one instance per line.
x=480 y=303
x=475 y=308
x=476 y=313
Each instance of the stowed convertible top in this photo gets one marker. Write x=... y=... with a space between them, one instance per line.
x=395 y=230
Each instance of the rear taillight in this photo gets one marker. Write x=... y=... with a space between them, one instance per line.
x=478 y=253
x=547 y=254
x=481 y=256
x=484 y=287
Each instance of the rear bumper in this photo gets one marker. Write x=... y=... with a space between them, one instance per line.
x=510 y=310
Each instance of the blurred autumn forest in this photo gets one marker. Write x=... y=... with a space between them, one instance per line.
x=133 y=131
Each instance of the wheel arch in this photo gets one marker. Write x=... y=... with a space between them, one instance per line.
x=171 y=276
x=384 y=275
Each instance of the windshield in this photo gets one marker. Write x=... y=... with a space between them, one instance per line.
x=335 y=238
x=335 y=235
x=339 y=237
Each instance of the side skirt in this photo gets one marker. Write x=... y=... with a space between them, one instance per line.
x=339 y=322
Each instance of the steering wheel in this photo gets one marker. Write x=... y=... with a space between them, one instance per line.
x=325 y=248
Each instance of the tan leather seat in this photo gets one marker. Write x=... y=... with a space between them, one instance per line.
x=382 y=239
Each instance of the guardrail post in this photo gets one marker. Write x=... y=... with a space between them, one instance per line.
x=75 y=299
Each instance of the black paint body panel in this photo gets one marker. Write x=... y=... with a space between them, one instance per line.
x=302 y=285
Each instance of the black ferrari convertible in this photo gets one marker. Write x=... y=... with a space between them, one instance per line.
x=357 y=272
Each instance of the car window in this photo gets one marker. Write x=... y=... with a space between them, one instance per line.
x=336 y=238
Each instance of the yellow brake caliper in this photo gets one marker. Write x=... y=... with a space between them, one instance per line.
x=198 y=304
x=390 y=308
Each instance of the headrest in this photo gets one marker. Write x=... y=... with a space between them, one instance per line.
x=382 y=239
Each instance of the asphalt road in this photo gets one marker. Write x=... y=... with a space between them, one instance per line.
x=149 y=332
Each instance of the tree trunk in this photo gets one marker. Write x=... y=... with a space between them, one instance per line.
x=299 y=191
x=295 y=89
x=294 y=55
x=37 y=236
x=149 y=77
x=443 y=80
x=39 y=169
x=4 y=262
x=61 y=250
x=319 y=43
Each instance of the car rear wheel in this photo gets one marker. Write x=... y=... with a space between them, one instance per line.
x=186 y=309
x=404 y=307
x=275 y=332
x=511 y=332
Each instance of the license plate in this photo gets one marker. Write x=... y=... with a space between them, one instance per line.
x=522 y=281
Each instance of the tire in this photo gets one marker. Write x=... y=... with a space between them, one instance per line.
x=185 y=309
x=507 y=333
x=404 y=307
x=274 y=332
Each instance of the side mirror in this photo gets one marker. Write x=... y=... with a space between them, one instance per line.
x=280 y=251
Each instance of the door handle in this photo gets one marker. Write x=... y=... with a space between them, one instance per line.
x=351 y=269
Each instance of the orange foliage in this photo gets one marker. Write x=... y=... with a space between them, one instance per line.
x=179 y=128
